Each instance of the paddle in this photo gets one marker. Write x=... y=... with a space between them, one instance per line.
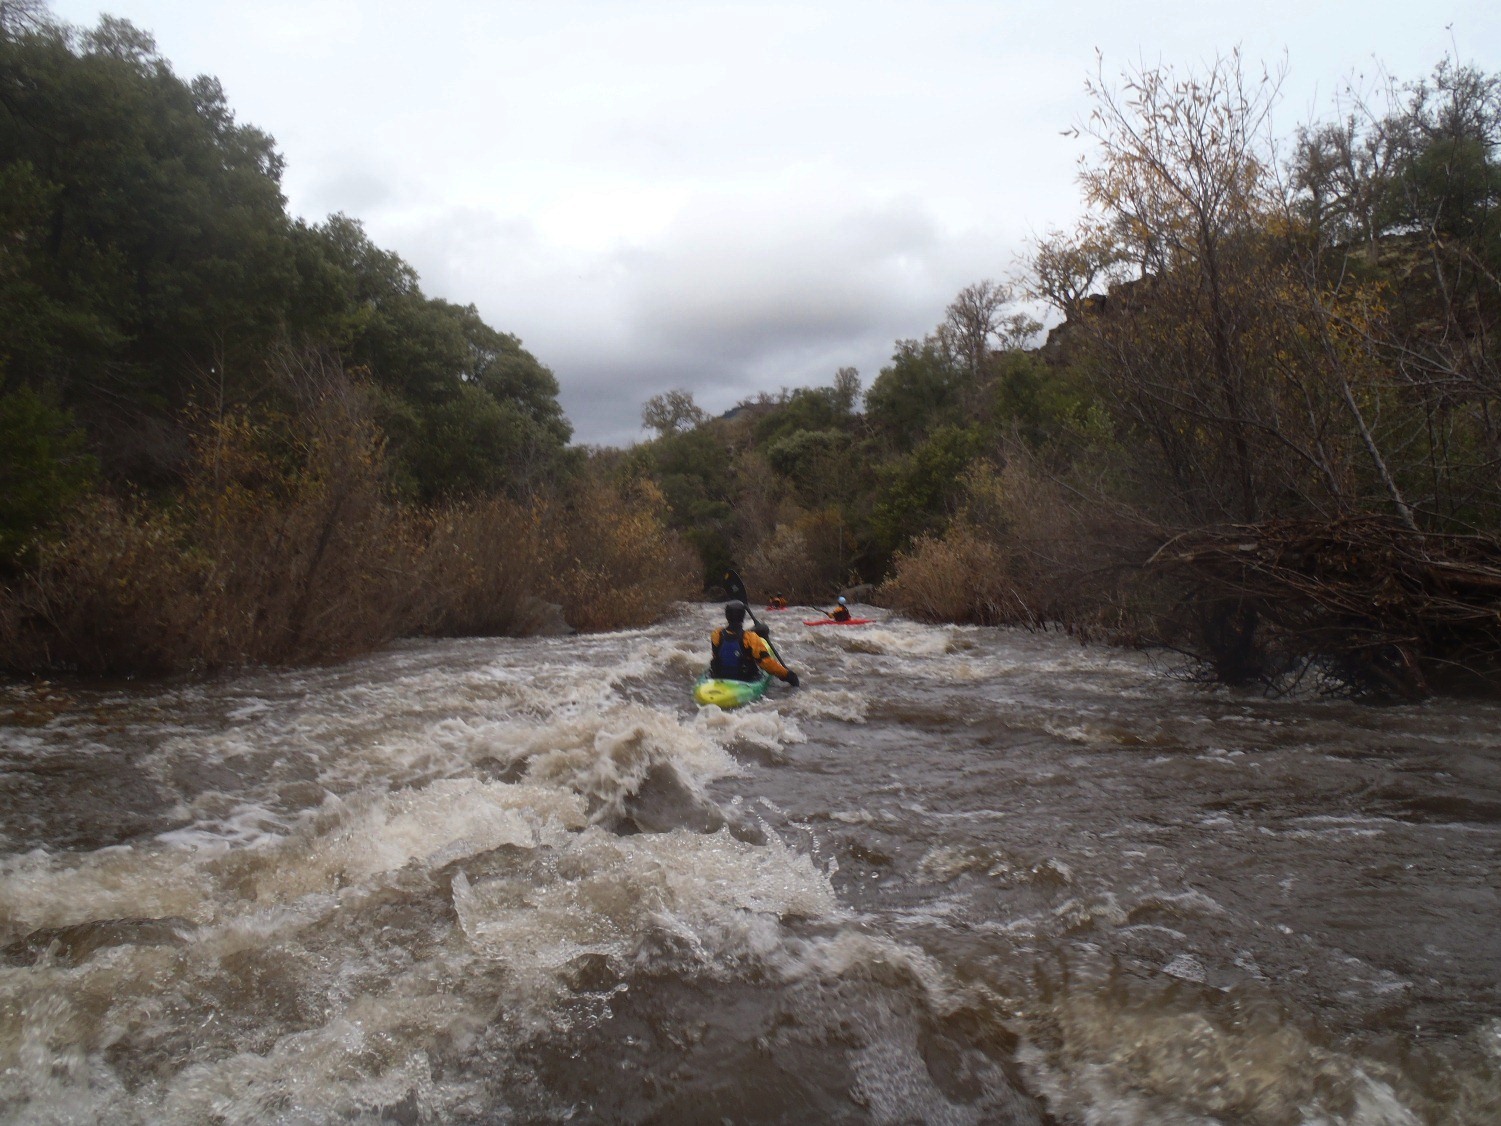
x=737 y=592
x=735 y=588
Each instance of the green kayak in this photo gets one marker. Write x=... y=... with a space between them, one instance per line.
x=729 y=693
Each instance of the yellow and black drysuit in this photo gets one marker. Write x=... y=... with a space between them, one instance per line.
x=738 y=654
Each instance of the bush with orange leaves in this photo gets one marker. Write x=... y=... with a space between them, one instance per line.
x=285 y=546
x=615 y=563
x=281 y=548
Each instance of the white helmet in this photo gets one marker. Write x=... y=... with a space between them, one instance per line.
x=841 y=600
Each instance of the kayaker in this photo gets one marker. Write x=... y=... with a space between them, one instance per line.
x=737 y=653
x=841 y=613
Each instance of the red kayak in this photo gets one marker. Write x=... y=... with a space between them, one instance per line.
x=837 y=622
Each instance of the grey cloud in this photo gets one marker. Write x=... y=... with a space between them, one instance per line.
x=355 y=191
x=740 y=279
x=738 y=297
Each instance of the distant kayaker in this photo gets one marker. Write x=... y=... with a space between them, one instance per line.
x=737 y=653
x=841 y=613
x=777 y=603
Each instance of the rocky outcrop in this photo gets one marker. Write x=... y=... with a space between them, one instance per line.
x=543 y=619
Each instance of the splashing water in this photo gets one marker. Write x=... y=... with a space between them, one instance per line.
x=961 y=876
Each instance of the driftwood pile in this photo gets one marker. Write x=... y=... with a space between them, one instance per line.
x=1384 y=608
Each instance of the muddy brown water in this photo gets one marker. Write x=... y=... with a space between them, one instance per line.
x=961 y=876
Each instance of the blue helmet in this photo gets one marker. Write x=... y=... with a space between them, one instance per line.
x=841 y=600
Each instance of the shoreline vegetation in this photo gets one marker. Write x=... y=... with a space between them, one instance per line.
x=1265 y=431
x=284 y=544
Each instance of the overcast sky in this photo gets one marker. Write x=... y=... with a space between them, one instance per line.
x=726 y=197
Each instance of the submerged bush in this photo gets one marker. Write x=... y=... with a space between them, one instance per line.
x=307 y=558
x=115 y=591
x=480 y=571
x=616 y=562
x=958 y=577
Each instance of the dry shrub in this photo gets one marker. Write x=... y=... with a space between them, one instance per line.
x=281 y=549
x=1024 y=550
x=611 y=560
x=308 y=559
x=804 y=559
x=954 y=578
x=480 y=569
x=115 y=591
x=781 y=564
x=283 y=546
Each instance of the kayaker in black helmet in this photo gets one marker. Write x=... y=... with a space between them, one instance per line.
x=737 y=653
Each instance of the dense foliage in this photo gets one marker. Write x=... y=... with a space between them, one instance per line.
x=150 y=264
x=809 y=493
x=227 y=434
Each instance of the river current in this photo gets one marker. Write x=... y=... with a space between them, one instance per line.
x=961 y=876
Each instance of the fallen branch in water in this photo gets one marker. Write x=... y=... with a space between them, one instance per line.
x=1390 y=608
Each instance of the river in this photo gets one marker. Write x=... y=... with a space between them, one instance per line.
x=961 y=876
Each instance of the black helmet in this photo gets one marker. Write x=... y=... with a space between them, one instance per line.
x=734 y=612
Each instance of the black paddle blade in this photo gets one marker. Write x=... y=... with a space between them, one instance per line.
x=735 y=588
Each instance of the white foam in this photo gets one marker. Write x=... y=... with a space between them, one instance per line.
x=712 y=899
x=908 y=640
x=606 y=757
x=831 y=703
x=41 y=889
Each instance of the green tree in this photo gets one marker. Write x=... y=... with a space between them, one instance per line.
x=919 y=492
x=918 y=391
x=672 y=412
x=157 y=246
x=806 y=408
x=44 y=469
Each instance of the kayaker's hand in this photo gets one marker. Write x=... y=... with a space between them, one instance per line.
x=792 y=679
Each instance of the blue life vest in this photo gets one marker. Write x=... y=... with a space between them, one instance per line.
x=732 y=657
